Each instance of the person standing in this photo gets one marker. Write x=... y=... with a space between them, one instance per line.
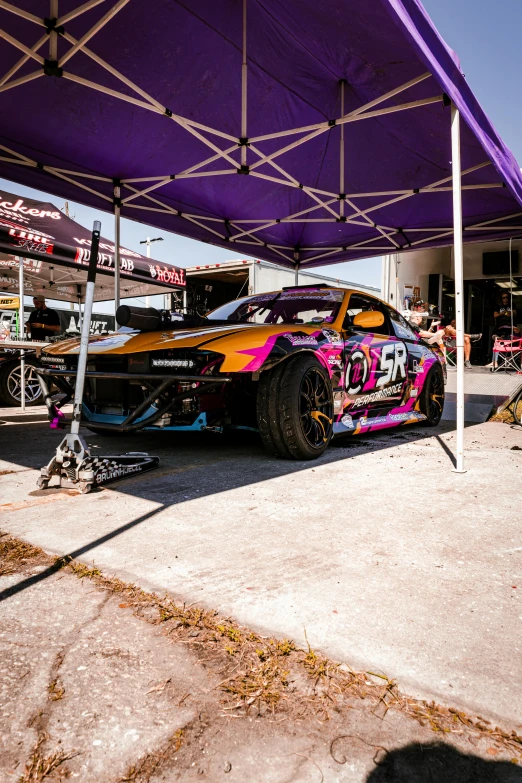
x=43 y=322
x=505 y=317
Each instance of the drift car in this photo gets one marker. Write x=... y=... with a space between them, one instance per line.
x=299 y=365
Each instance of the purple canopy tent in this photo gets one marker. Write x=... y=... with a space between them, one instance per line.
x=307 y=132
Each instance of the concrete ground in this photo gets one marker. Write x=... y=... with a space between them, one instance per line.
x=101 y=682
x=387 y=559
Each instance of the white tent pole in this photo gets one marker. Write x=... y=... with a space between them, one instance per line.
x=117 y=243
x=459 y=279
x=21 y=330
x=244 y=75
x=341 y=154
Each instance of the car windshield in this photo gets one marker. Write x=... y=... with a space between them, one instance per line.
x=298 y=306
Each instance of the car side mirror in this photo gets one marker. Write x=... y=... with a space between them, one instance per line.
x=370 y=319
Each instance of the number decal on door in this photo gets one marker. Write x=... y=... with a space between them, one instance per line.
x=393 y=362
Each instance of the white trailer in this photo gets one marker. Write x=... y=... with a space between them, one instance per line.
x=211 y=285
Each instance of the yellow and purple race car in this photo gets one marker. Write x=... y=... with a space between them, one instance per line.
x=299 y=365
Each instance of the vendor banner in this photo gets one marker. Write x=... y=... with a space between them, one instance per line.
x=9 y=302
x=38 y=230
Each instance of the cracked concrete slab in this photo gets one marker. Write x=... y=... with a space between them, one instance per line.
x=94 y=680
x=389 y=560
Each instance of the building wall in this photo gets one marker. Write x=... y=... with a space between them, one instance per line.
x=414 y=268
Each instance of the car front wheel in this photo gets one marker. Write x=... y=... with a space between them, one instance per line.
x=295 y=408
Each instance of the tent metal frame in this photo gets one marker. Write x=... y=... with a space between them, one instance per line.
x=335 y=207
x=235 y=231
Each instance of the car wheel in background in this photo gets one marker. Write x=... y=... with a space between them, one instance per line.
x=432 y=396
x=10 y=384
x=295 y=408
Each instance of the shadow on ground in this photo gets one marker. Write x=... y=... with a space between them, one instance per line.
x=191 y=466
x=438 y=763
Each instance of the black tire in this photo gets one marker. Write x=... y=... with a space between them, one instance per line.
x=295 y=408
x=432 y=396
x=10 y=392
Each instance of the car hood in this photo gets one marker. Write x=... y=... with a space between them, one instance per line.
x=239 y=343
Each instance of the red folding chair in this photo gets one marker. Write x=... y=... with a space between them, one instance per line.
x=507 y=354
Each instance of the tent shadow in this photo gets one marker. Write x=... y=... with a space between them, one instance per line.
x=439 y=763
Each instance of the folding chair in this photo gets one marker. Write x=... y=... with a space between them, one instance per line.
x=451 y=353
x=507 y=354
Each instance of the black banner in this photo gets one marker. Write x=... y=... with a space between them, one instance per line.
x=38 y=230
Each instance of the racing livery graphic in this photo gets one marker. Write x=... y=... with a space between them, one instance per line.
x=301 y=366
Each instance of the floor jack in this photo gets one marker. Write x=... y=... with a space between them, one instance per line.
x=73 y=463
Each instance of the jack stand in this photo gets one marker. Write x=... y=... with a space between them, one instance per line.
x=73 y=463
x=77 y=469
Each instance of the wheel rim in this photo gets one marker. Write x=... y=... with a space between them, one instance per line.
x=315 y=408
x=436 y=396
x=32 y=387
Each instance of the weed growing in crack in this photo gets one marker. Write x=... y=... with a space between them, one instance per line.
x=42 y=765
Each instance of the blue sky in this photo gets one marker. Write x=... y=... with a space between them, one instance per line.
x=486 y=36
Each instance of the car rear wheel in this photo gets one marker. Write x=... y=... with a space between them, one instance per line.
x=11 y=384
x=295 y=409
x=432 y=396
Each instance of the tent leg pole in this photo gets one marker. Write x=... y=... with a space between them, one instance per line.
x=117 y=242
x=297 y=274
x=84 y=339
x=459 y=279
x=21 y=329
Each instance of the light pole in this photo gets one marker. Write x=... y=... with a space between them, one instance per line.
x=149 y=242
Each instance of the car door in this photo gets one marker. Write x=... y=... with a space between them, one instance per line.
x=420 y=356
x=376 y=360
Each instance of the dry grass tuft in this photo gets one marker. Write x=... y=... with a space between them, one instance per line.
x=145 y=768
x=56 y=691
x=15 y=554
x=82 y=571
x=40 y=765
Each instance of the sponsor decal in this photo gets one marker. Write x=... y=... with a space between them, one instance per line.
x=172 y=363
x=348 y=422
x=394 y=357
x=332 y=336
x=52 y=359
x=167 y=275
x=105 y=261
x=417 y=368
x=356 y=372
x=378 y=420
x=414 y=392
x=298 y=339
x=399 y=416
x=106 y=246
x=382 y=394
x=404 y=332
x=18 y=206
x=112 y=473
x=335 y=361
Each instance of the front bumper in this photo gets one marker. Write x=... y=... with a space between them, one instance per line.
x=157 y=404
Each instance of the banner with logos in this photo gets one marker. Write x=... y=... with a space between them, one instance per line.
x=38 y=230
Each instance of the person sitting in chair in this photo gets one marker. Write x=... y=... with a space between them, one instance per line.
x=429 y=336
x=450 y=331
